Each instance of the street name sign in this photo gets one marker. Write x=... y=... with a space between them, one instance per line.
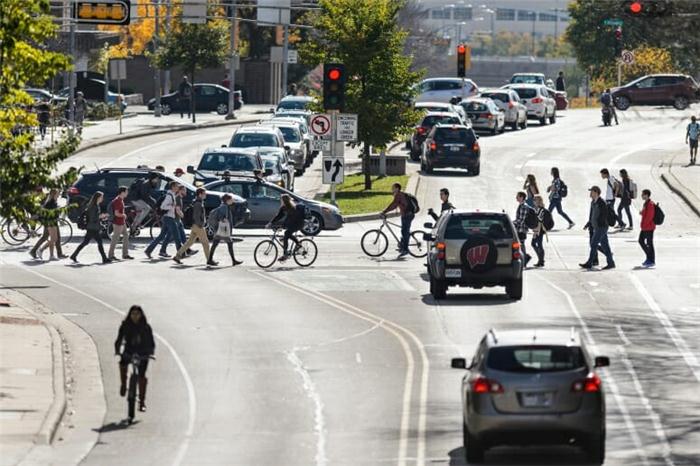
x=346 y=128
x=613 y=22
x=333 y=170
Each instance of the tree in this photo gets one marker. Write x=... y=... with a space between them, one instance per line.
x=194 y=47
x=23 y=169
x=364 y=35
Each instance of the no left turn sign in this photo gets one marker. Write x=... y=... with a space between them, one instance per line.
x=321 y=124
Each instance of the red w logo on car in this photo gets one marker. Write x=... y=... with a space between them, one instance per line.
x=477 y=255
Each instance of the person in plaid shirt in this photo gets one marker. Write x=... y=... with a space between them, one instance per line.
x=519 y=222
x=555 y=196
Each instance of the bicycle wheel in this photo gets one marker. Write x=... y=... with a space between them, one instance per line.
x=417 y=247
x=265 y=253
x=5 y=233
x=374 y=243
x=305 y=254
x=155 y=227
x=65 y=230
x=20 y=233
x=131 y=397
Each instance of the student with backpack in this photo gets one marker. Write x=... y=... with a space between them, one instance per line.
x=222 y=222
x=558 y=191
x=598 y=224
x=141 y=197
x=692 y=133
x=197 y=231
x=408 y=207
x=627 y=192
x=520 y=223
x=168 y=230
x=652 y=215
x=544 y=224
x=116 y=210
x=90 y=221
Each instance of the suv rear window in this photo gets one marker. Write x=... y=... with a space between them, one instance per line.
x=535 y=358
x=492 y=226
x=292 y=105
x=454 y=135
x=526 y=93
x=221 y=162
x=254 y=140
x=446 y=85
x=432 y=120
x=476 y=107
x=289 y=134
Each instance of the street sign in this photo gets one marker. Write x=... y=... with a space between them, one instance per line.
x=274 y=11
x=321 y=145
x=194 y=12
x=333 y=170
x=321 y=124
x=627 y=57
x=346 y=129
x=292 y=56
x=276 y=54
x=103 y=12
x=613 y=22
x=117 y=69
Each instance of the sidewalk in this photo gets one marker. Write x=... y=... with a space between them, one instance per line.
x=683 y=179
x=32 y=395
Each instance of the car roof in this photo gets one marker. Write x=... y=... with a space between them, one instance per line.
x=497 y=90
x=230 y=150
x=256 y=129
x=528 y=74
x=445 y=79
x=482 y=100
x=301 y=98
x=430 y=104
x=280 y=124
x=467 y=212
x=523 y=86
x=451 y=125
x=533 y=336
x=441 y=114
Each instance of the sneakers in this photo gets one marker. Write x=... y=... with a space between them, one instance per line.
x=586 y=265
x=148 y=254
x=610 y=266
x=212 y=263
x=403 y=253
x=539 y=264
x=164 y=255
x=191 y=252
x=127 y=257
x=107 y=260
x=527 y=259
x=235 y=262
x=74 y=259
x=33 y=254
x=284 y=257
x=177 y=259
x=648 y=264
x=571 y=225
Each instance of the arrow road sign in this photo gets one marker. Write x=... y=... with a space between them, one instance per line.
x=333 y=170
x=321 y=124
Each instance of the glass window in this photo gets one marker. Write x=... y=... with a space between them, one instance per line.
x=447 y=85
x=233 y=188
x=426 y=86
x=454 y=135
x=432 y=120
x=290 y=134
x=505 y=14
x=440 y=13
x=254 y=140
x=527 y=79
x=293 y=105
x=503 y=97
x=208 y=90
x=526 y=15
x=234 y=162
x=493 y=226
x=649 y=82
x=536 y=358
x=462 y=13
x=272 y=163
x=475 y=107
x=260 y=191
x=526 y=93
x=548 y=17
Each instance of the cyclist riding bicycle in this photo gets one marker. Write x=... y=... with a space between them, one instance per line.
x=294 y=215
x=137 y=336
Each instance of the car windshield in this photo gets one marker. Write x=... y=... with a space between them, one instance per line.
x=290 y=134
x=527 y=79
x=271 y=163
x=491 y=226
x=254 y=140
x=292 y=105
x=454 y=135
x=476 y=107
x=526 y=92
x=535 y=358
x=220 y=162
x=432 y=120
x=497 y=96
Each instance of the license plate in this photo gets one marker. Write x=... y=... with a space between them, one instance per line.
x=455 y=148
x=536 y=400
x=453 y=273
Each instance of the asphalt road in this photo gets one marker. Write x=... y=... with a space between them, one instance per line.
x=348 y=362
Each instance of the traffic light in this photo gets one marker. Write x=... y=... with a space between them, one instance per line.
x=116 y=12
x=618 y=41
x=333 y=86
x=647 y=8
x=463 y=60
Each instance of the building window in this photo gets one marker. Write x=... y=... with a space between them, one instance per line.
x=525 y=15
x=563 y=19
x=440 y=13
x=548 y=17
x=505 y=14
x=462 y=13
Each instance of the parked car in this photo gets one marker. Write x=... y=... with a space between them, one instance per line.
x=426 y=124
x=94 y=91
x=42 y=94
x=264 y=202
x=295 y=102
x=295 y=144
x=108 y=180
x=453 y=146
x=444 y=89
x=484 y=114
x=207 y=98
x=474 y=249
x=540 y=105
x=515 y=111
x=215 y=161
x=678 y=90
x=441 y=107
x=277 y=160
x=533 y=386
x=559 y=98
x=528 y=78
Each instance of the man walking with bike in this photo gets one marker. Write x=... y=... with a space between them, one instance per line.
x=141 y=197
x=408 y=207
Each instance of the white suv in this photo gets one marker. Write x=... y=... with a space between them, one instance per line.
x=444 y=89
x=509 y=101
x=540 y=105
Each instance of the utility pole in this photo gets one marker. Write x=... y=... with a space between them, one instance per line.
x=71 y=77
x=156 y=73
x=285 y=57
x=167 y=85
x=232 y=65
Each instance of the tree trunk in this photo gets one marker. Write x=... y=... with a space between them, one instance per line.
x=192 y=103
x=365 y=166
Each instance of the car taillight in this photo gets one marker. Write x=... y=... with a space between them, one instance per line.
x=516 y=251
x=484 y=385
x=73 y=191
x=420 y=130
x=433 y=146
x=441 y=250
x=475 y=147
x=536 y=100
x=488 y=116
x=591 y=384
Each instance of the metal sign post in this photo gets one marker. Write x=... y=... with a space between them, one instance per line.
x=117 y=70
x=334 y=123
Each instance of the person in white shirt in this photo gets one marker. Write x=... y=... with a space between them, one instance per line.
x=168 y=231
x=612 y=190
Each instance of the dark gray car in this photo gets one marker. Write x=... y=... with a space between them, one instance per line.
x=529 y=387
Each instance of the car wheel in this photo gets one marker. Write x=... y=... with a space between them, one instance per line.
x=543 y=120
x=476 y=170
x=514 y=125
x=596 y=448
x=622 y=103
x=523 y=125
x=165 y=109
x=222 y=109
x=680 y=102
x=514 y=289
x=473 y=449
x=438 y=288
x=553 y=118
x=313 y=224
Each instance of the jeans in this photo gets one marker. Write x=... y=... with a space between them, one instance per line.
x=117 y=231
x=646 y=241
x=179 y=235
x=599 y=240
x=522 y=236
x=185 y=105
x=537 y=246
x=215 y=244
x=91 y=234
x=289 y=234
x=167 y=231
x=555 y=203
x=405 y=231
x=196 y=233
x=624 y=204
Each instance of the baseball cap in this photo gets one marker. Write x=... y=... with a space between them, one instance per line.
x=594 y=188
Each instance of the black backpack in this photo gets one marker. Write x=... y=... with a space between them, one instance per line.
x=612 y=218
x=188 y=215
x=82 y=220
x=659 y=215
x=531 y=220
x=605 y=99
x=413 y=206
x=547 y=220
x=135 y=189
x=563 y=189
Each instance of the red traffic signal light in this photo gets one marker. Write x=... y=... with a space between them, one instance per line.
x=636 y=7
x=334 y=86
x=334 y=74
x=461 y=49
x=648 y=8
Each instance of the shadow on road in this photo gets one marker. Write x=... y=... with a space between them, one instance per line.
x=510 y=456
x=112 y=426
x=469 y=299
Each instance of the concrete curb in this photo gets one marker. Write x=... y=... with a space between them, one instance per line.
x=411 y=187
x=58 y=407
x=679 y=189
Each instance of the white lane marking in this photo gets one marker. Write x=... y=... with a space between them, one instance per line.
x=611 y=381
x=140 y=149
x=623 y=336
x=389 y=327
x=312 y=393
x=530 y=155
x=690 y=359
x=358 y=358
x=191 y=398
x=695 y=285
x=653 y=416
x=593 y=283
x=520 y=178
x=621 y=156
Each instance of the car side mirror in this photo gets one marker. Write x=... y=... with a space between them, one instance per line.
x=190 y=169
x=267 y=172
x=428 y=225
x=428 y=237
x=459 y=363
x=291 y=162
x=502 y=110
x=224 y=145
x=287 y=148
x=602 y=361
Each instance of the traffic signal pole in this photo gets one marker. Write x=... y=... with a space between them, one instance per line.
x=232 y=66
x=156 y=71
x=334 y=123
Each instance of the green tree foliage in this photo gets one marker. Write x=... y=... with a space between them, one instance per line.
x=365 y=36
x=24 y=25
x=194 y=47
x=594 y=43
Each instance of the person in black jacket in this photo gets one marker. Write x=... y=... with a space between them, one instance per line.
x=197 y=231
x=141 y=196
x=598 y=223
x=94 y=227
x=293 y=221
x=137 y=337
x=446 y=204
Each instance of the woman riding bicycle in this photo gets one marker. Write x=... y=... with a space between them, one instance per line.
x=294 y=215
x=137 y=336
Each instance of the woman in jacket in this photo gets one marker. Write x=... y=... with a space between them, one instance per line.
x=93 y=227
x=293 y=221
x=137 y=337
x=531 y=189
x=647 y=227
x=222 y=223
x=539 y=232
x=50 y=222
x=555 y=197
x=625 y=200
